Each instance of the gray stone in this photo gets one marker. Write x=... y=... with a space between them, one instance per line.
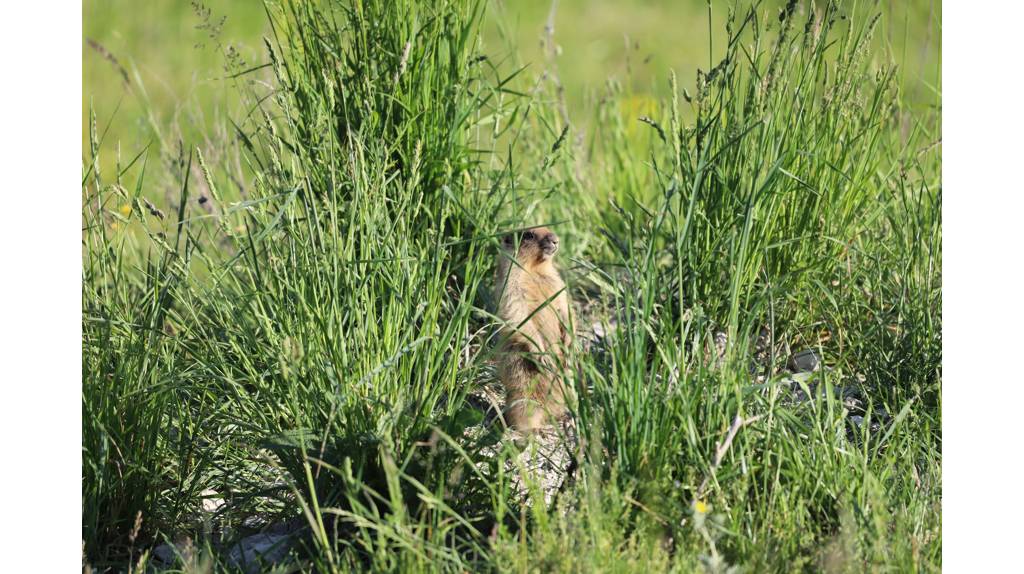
x=598 y=335
x=212 y=502
x=253 y=553
x=544 y=460
x=721 y=344
x=168 y=554
x=764 y=352
x=805 y=361
x=876 y=422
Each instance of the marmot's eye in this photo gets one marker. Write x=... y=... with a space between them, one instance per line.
x=529 y=236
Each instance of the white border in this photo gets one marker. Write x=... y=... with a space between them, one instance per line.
x=983 y=330
x=41 y=51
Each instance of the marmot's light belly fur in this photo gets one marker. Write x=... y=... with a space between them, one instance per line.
x=536 y=333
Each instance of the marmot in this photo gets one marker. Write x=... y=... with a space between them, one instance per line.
x=536 y=332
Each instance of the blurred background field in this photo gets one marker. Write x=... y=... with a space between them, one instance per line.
x=158 y=75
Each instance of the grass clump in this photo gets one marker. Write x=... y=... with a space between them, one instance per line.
x=300 y=336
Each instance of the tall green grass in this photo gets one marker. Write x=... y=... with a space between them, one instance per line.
x=299 y=329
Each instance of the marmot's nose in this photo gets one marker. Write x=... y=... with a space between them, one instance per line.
x=549 y=242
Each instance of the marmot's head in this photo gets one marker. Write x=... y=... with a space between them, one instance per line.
x=535 y=246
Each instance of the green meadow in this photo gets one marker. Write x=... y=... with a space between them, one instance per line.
x=291 y=213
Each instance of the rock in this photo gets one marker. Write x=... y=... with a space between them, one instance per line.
x=545 y=459
x=212 y=502
x=853 y=404
x=168 y=554
x=760 y=360
x=673 y=378
x=796 y=383
x=596 y=337
x=721 y=344
x=546 y=462
x=254 y=522
x=876 y=422
x=253 y=554
x=805 y=361
x=853 y=401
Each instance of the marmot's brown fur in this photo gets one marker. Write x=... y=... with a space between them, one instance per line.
x=536 y=332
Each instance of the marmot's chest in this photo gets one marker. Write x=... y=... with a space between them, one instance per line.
x=539 y=290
